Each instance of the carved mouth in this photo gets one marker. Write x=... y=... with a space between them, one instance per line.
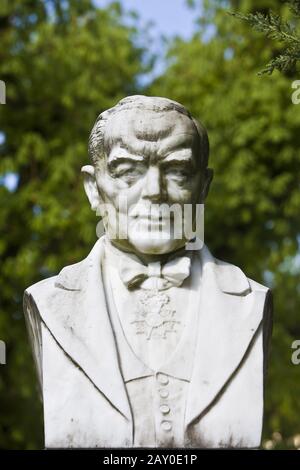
x=154 y=221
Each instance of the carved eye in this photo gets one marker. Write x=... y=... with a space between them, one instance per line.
x=128 y=172
x=180 y=175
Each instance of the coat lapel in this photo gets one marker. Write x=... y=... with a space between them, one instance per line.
x=78 y=319
x=229 y=316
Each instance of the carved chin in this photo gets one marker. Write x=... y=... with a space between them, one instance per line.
x=154 y=242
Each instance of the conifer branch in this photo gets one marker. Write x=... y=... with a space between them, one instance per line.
x=275 y=28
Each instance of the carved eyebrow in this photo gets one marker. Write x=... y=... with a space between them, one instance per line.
x=178 y=157
x=116 y=159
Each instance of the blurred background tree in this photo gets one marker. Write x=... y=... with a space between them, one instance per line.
x=275 y=27
x=66 y=61
x=252 y=212
x=63 y=62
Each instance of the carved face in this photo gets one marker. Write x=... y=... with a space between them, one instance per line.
x=153 y=160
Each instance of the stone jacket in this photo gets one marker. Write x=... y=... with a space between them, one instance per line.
x=84 y=395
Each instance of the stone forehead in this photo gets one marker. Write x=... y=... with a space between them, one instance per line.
x=149 y=125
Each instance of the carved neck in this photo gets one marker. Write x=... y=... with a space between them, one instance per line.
x=150 y=258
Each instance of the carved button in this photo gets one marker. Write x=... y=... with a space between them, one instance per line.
x=164 y=393
x=164 y=409
x=162 y=378
x=166 y=425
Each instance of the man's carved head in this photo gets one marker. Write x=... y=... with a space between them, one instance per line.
x=148 y=154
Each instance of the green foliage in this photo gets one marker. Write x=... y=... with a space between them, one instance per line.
x=252 y=211
x=286 y=32
x=63 y=63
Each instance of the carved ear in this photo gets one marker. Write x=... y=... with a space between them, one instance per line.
x=207 y=179
x=90 y=186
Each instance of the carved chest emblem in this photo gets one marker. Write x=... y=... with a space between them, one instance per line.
x=154 y=316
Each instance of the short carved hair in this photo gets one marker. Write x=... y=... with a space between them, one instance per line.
x=97 y=147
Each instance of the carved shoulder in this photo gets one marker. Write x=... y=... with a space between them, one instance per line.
x=33 y=321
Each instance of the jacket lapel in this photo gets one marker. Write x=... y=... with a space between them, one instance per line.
x=79 y=321
x=229 y=316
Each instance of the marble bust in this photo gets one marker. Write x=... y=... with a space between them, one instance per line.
x=146 y=343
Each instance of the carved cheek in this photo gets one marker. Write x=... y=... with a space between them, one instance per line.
x=127 y=195
x=179 y=192
x=133 y=191
x=110 y=188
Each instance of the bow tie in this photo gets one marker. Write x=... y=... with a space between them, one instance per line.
x=173 y=273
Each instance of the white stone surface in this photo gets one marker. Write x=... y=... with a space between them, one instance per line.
x=144 y=343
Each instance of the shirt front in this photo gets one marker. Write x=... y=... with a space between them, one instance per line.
x=156 y=362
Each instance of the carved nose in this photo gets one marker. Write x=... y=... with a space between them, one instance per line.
x=153 y=188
